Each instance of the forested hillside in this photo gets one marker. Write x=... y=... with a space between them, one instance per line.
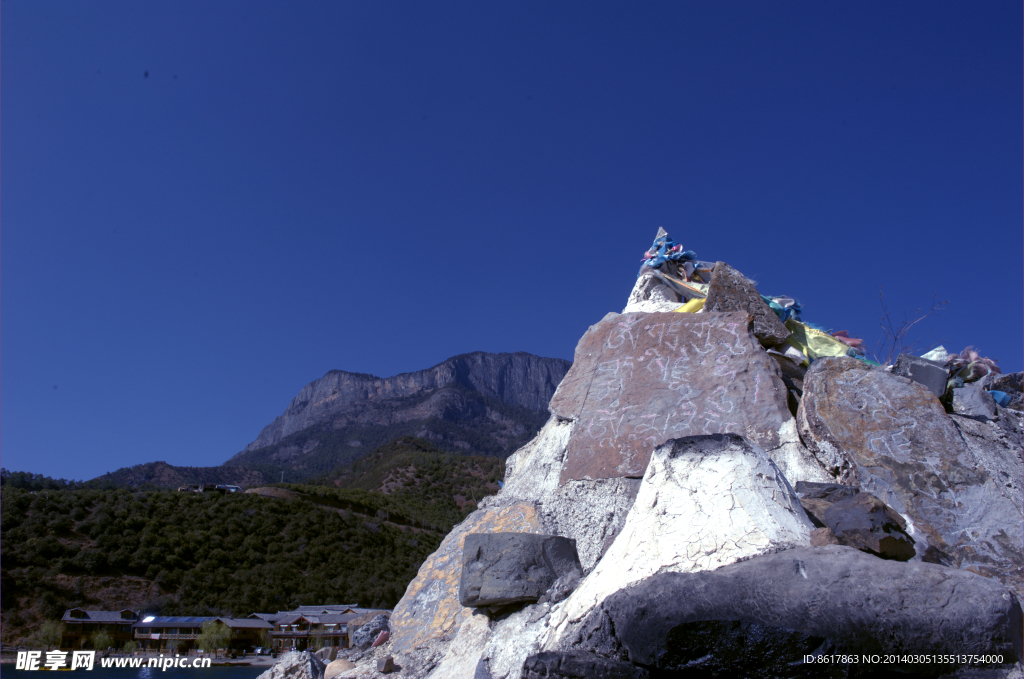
x=210 y=553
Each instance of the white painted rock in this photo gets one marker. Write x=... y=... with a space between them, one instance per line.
x=705 y=501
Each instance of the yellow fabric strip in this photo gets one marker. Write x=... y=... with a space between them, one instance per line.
x=693 y=306
x=814 y=343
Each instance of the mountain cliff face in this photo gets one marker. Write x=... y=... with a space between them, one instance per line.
x=479 y=403
x=518 y=379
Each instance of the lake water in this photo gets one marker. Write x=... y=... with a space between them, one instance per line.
x=249 y=672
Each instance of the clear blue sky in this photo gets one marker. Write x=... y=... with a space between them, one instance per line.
x=378 y=186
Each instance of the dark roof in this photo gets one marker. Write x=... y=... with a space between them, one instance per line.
x=289 y=619
x=246 y=623
x=99 y=616
x=269 y=617
x=173 y=621
x=332 y=608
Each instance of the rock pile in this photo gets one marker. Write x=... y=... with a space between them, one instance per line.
x=723 y=491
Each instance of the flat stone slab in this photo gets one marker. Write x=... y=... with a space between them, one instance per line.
x=430 y=607
x=729 y=290
x=972 y=401
x=507 y=568
x=639 y=380
x=866 y=523
x=892 y=437
x=855 y=602
x=931 y=374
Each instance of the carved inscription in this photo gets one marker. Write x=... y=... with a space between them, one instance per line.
x=655 y=377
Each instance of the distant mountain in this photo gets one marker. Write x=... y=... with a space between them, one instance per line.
x=474 y=404
x=163 y=475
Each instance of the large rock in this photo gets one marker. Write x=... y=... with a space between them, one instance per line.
x=508 y=568
x=729 y=290
x=931 y=374
x=642 y=379
x=430 y=607
x=972 y=401
x=866 y=523
x=892 y=437
x=296 y=665
x=364 y=637
x=570 y=665
x=836 y=598
x=336 y=667
x=705 y=501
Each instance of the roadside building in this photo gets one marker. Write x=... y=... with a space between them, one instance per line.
x=311 y=626
x=80 y=624
x=180 y=633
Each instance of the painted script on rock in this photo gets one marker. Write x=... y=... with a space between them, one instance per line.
x=891 y=437
x=430 y=607
x=642 y=379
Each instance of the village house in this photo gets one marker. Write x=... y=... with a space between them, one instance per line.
x=173 y=633
x=306 y=626
x=80 y=624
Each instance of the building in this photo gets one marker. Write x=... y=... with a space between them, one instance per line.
x=80 y=624
x=297 y=629
x=179 y=633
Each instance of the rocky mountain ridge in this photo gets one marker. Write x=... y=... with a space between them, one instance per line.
x=517 y=379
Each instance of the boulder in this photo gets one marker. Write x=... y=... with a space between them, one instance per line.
x=1011 y=384
x=972 y=401
x=642 y=379
x=823 y=536
x=364 y=637
x=705 y=501
x=866 y=523
x=430 y=607
x=508 y=568
x=818 y=497
x=931 y=374
x=769 y=611
x=578 y=665
x=729 y=290
x=892 y=437
x=296 y=665
x=386 y=665
x=338 y=666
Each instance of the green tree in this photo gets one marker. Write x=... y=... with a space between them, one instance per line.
x=215 y=635
x=50 y=633
x=130 y=647
x=316 y=639
x=101 y=640
x=264 y=638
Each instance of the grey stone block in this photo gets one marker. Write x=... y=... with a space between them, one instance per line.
x=931 y=374
x=364 y=636
x=866 y=523
x=730 y=290
x=507 y=568
x=972 y=401
x=834 y=596
x=386 y=665
x=576 y=665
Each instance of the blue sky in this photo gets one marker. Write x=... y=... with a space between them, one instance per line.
x=207 y=205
